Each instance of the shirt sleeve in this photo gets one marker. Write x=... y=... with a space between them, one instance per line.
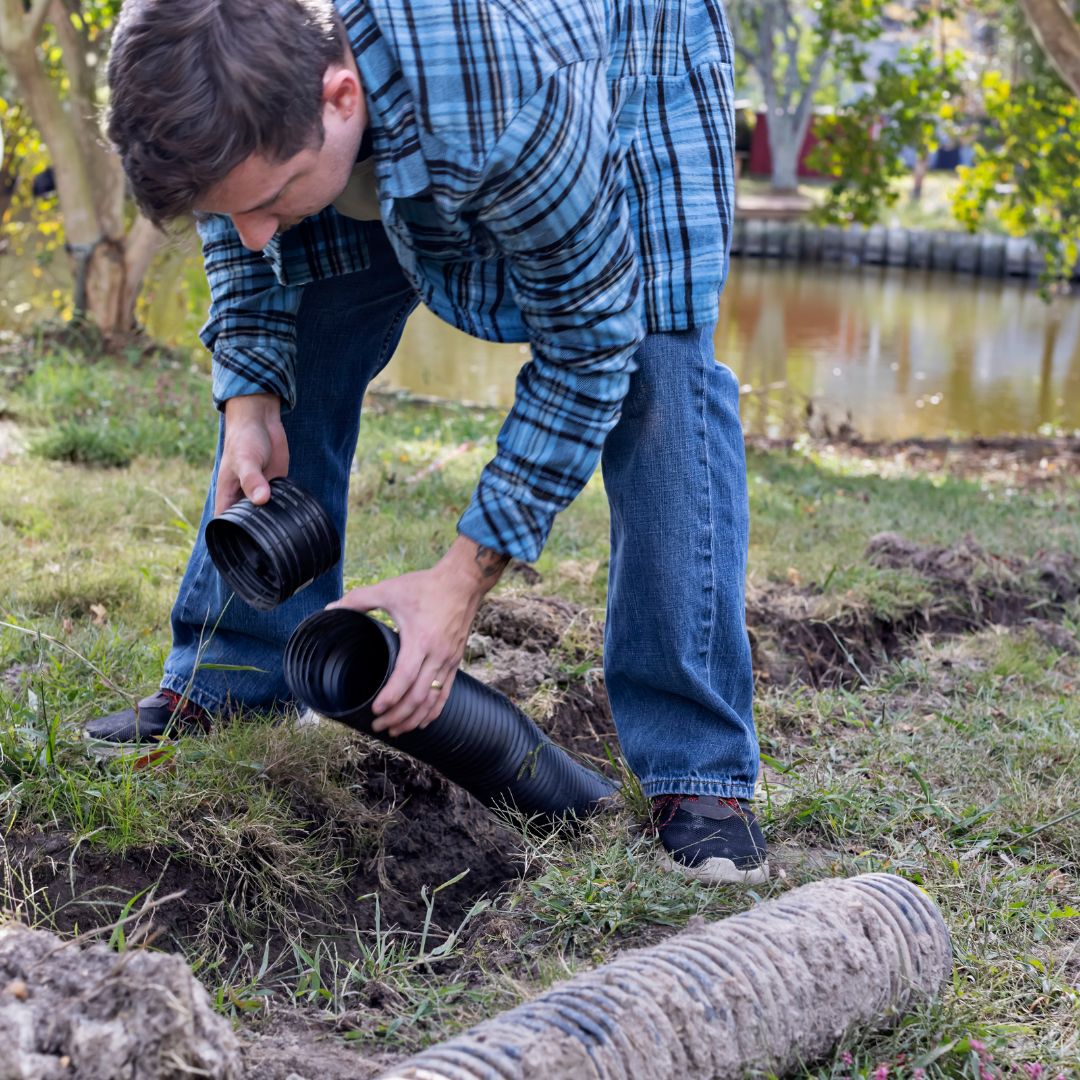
x=554 y=199
x=251 y=332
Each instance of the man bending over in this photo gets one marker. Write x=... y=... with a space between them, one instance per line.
x=557 y=172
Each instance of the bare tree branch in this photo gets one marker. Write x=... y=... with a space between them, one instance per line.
x=1058 y=34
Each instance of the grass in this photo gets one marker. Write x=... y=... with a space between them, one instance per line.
x=956 y=763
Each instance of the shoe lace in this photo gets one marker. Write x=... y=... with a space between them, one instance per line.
x=184 y=709
x=664 y=808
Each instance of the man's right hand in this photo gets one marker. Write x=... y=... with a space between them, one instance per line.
x=255 y=451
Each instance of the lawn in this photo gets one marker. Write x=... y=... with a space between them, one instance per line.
x=914 y=615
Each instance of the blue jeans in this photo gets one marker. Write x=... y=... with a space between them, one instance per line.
x=677 y=657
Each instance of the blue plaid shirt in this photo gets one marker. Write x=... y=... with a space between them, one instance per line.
x=551 y=171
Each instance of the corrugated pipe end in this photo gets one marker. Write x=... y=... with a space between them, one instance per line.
x=266 y=554
x=768 y=990
x=337 y=661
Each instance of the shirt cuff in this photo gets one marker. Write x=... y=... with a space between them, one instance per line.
x=238 y=372
x=513 y=524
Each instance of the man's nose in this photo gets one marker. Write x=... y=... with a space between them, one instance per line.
x=255 y=230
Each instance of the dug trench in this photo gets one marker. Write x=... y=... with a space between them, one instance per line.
x=546 y=654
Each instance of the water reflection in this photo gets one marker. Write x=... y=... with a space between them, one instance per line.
x=897 y=353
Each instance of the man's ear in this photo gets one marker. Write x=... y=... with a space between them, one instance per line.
x=341 y=91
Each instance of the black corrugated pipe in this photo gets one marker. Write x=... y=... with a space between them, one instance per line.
x=337 y=661
x=268 y=553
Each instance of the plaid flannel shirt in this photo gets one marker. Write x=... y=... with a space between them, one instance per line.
x=551 y=171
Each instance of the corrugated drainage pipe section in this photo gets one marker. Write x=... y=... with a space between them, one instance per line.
x=337 y=661
x=767 y=990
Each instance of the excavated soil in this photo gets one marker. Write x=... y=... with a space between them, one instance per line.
x=90 y=1013
x=1019 y=462
x=432 y=833
x=969 y=588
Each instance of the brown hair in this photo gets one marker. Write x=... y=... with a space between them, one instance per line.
x=198 y=86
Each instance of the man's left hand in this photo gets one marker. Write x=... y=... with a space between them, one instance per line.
x=434 y=611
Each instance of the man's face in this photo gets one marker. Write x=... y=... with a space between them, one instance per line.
x=264 y=198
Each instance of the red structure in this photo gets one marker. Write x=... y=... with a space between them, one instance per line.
x=760 y=163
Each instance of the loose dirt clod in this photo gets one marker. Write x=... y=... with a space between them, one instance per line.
x=98 y=1015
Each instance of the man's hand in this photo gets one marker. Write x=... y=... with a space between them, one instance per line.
x=255 y=451
x=433 y=610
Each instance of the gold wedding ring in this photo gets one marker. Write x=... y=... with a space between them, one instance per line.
x=435 y=684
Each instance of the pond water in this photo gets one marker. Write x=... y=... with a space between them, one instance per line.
x=893 y=353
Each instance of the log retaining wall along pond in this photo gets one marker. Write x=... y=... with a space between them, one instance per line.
x=919 y=249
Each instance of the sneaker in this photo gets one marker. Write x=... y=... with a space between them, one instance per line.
x=712 y=839
x=162 y=715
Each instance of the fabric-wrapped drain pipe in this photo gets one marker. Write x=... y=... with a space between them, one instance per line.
x=337 y=661
x=765 y=991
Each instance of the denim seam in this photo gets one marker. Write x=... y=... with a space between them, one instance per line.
x=709 y=592
x=385 y=352
x=724 y=789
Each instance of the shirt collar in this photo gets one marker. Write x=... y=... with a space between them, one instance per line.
x=400 y=169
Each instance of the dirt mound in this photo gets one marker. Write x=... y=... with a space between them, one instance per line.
x=970 y=588
x=1013 y=461
x=88 y=1012
x=431 y=833
x=978 y=586
x=546 y=655
x=526 y=620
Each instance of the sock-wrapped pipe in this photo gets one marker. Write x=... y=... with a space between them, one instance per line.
x=765 y=991
x=337 y=661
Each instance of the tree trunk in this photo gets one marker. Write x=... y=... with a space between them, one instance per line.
x=89 y=180
x=1058 y=34
x=143 y=243
x=787 y=133
x=918 y=176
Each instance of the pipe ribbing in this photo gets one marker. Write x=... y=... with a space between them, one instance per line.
x=769 y=989
x=338 y=660
x=268 y=553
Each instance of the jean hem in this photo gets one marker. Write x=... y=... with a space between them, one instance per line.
x=724 y=789
x=184 y=688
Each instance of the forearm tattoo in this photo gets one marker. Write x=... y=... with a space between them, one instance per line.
x=490 y=562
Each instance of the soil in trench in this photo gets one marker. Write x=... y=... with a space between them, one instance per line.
x=545 y=654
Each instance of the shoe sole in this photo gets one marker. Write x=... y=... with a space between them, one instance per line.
x=719 y=872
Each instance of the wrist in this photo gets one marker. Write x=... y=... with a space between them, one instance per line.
x=252 y=407
x=480 y=566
